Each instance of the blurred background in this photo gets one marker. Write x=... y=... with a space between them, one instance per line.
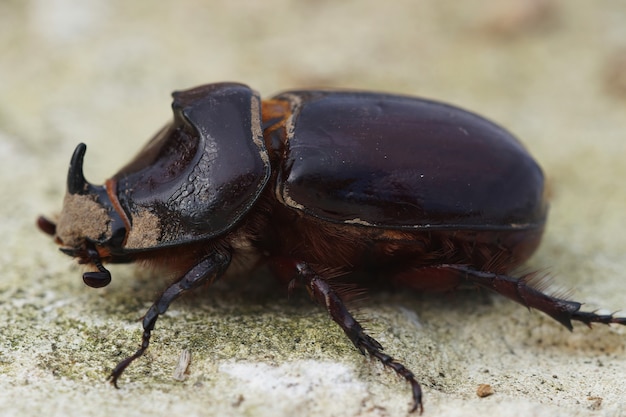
x=100 y=71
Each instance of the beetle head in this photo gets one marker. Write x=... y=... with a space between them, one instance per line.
x=194 y=181
x=89 y=228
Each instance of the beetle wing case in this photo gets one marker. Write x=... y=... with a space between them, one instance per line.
x=202 y=172
x=402 y=162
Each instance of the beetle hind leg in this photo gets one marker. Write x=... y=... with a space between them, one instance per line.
x=323 y=293
x=521 y=291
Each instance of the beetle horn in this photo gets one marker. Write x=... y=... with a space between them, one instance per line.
x=76 y=182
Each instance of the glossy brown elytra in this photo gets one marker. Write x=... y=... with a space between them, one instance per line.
x=388 y=190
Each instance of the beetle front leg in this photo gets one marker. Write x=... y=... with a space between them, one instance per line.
x=322 y=292
x=204 y=272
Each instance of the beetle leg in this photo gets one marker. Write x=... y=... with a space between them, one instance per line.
x=322 y=292
x=521 y=291
x=204 y=272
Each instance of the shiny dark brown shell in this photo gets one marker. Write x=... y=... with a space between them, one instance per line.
x=401 y=162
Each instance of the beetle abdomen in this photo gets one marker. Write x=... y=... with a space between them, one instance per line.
x=400 y=162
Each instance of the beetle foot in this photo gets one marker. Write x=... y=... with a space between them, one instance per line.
x=374 y=348
x=119 y=369
x=591 y=317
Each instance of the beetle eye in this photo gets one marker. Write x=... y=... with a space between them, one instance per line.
x=97 y=279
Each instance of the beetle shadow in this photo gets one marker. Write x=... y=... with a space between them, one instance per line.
x=257 y=292
x=260 y=289
x=254 y=291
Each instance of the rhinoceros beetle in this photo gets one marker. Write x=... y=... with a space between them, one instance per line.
x=324 y=187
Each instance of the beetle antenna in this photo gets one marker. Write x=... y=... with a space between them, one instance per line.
x=99 y=279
